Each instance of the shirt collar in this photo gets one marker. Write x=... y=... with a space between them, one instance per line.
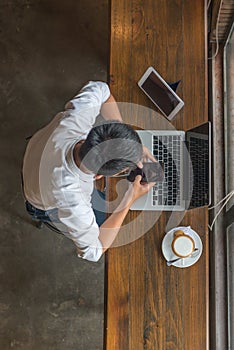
x=74 y=168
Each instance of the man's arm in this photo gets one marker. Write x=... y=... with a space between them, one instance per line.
x=110 y=110
x=110 y=228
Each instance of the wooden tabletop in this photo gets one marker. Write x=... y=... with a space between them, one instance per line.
x=149 y=305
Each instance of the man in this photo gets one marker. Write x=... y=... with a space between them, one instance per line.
x=63 y=159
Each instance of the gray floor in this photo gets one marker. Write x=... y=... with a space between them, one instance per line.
x=49 y=299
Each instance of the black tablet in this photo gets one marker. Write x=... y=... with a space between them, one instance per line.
x=160 y=93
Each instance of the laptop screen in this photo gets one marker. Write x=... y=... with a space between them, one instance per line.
x=198 y=144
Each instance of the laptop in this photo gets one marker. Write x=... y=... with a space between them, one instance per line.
x=187 y=169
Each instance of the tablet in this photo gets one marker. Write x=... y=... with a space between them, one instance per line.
x=160 y=93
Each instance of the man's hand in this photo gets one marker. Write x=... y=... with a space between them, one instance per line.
x=147 y=155
x=137 y=190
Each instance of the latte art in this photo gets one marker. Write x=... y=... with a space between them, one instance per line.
x=183 y=246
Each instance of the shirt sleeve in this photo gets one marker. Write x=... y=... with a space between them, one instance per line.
x=96 y=92
x=92 y=253
x=82 y=110
x=89 y=100
x=81 y=227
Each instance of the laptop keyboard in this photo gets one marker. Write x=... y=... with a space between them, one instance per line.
x=167 y=149
x=199 y=154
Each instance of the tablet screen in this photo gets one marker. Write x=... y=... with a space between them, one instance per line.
x=160 y=93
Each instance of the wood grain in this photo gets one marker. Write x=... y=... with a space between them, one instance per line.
x=149 y=305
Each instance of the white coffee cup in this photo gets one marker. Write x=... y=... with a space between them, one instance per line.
x=182 y=245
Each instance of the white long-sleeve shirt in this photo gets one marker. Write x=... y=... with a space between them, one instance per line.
x=51 y=177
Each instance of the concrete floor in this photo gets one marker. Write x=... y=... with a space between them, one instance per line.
x=49 y=299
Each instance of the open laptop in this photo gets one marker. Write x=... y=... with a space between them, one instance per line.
x=187 y=169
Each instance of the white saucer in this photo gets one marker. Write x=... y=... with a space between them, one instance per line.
x=167 y=250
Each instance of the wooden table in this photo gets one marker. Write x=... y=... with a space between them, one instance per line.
x=149 y=305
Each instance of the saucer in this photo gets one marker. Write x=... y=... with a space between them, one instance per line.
x=167 y=249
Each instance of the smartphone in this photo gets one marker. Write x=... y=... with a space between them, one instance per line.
x=151 y=172
x=160 y=93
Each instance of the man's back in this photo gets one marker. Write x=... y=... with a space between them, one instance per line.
x=51 y=177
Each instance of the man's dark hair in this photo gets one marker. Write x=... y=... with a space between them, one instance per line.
x=111 y=147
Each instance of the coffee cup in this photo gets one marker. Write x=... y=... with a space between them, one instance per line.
x=182 y=244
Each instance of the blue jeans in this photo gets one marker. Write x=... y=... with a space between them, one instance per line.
x=98 y=201
x=50 y=216
x=42 y=215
